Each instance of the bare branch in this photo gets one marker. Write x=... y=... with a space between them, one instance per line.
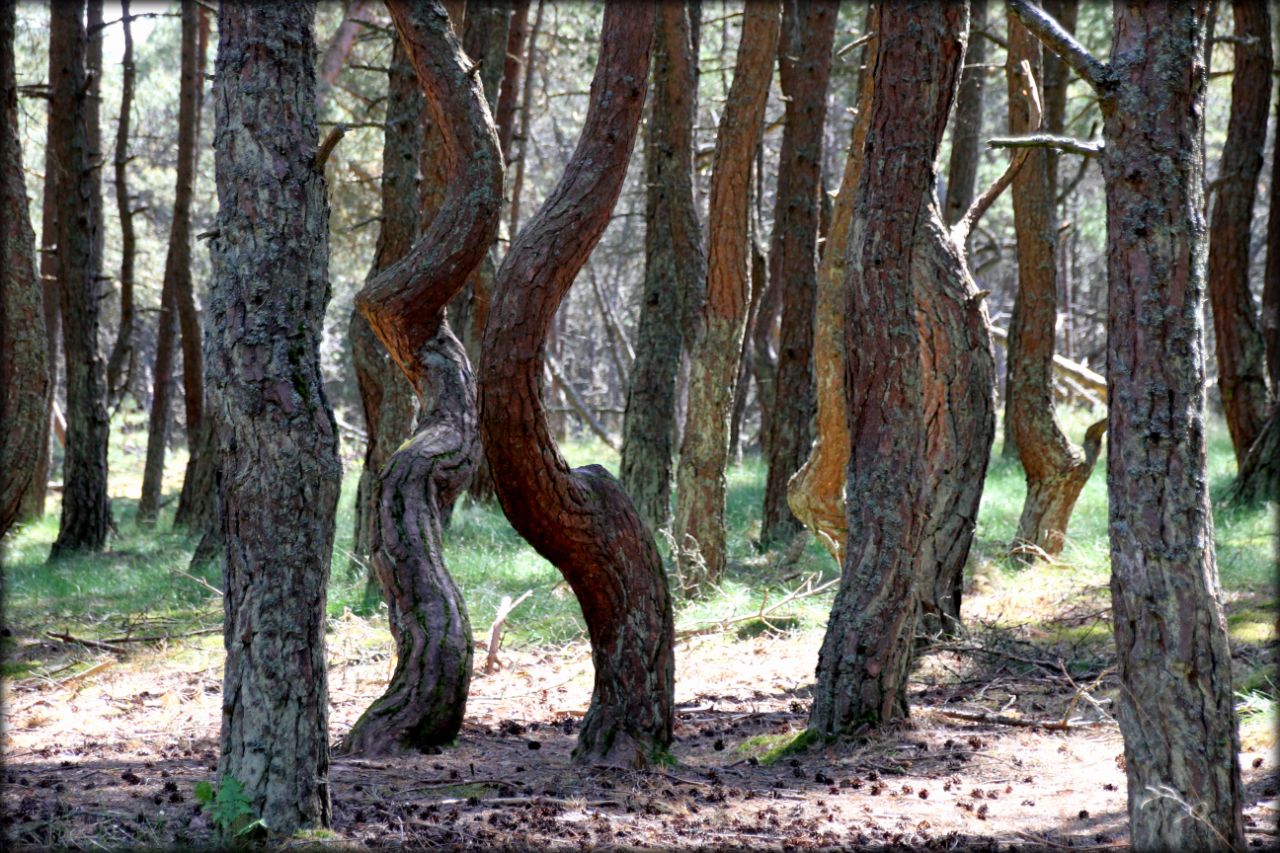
x=1086 y=148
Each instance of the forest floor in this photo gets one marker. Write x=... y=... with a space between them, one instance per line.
x=1010 y=741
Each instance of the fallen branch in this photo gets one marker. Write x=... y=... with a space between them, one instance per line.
x=88 y=644
x=579 y=405
x=1095 y=382
x=1001 y=720
x=804 y=590
x=158 y=638
x=495 y=630
x=204 y=583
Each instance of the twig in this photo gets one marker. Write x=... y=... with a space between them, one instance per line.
x=156 y=638
x=495 y=630
x=89 y=644
x=804 y=590
x=1001 y=720
x=204 y=583
x=330 y=142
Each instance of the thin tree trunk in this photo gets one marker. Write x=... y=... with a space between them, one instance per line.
x=1055 y=469
x=962 y=171
x=581 y=519
x=526 y=101
x=717 y=342
x=674 y=269
x=423 y=706
x=278 y=465
x=898 y=247
x=1181 y=744
x=1241 y=352
x=123 y=361
x=86 y=510
x=804 y=62
x=339 y=47
x=512 y=62
x=177 y=276
x=25 y=386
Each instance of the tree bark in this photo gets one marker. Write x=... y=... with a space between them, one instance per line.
x=962 y=170
x=387 y=398
x=1242 y=358
x=1271 y=274
x=816 y=492
x=804 y=64
x=278 y=465
x=123 y=361
x=25 y=385
x=898 y=247
x=1055 y=469
x=512 y=62
x=405 y=304
x=86 y=511
x=674 y=269
x=581 y=519
x=526 y=100
x=339 y=47
x=177 y=277
x=717 y=340
x=1181 y=744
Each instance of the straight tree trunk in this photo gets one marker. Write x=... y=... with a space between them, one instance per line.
x=423 y=706
x=581 y=519
x=962 y=170
x=898 y=247
x=1176 y=707
x=86 y=510
x=816 y=492
x=25 y=385
x=804 y=63
x=717 y=340
x=526 y=101
x=177 y=277
x=674 y=268
x=512 y=62
x=1055 y=469
x=278 y=465
x=1241 y=352
x=388 y=400
x=123 y=361
x=339 y=47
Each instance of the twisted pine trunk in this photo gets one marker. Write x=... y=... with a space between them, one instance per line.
x=423 y=705
x=581 y=519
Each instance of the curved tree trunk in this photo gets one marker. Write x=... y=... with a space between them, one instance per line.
x=804 y=63
x=278 y=465
x=25 y=386
x=581 y=519
x=1055 y=469
x=899 y=250
x=86 y=511
x=717 y=342
x=423 y=705
x=387 y=398
x=124 y=358
x=816 y=492
x=674 y=268
x=1241 y=353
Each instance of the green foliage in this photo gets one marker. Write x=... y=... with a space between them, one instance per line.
x=229 y=807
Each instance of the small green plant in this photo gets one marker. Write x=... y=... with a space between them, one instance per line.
x=228 y=807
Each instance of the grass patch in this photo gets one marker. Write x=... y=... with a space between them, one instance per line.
x=772 y=748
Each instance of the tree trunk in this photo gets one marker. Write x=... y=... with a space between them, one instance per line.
x=898 y=247
x=816 y=492
x=804 y=63
x=177 y=277
x=123 y=361
x=86 y=511
x=1181 y=745
x=278 y=465
x=1271 y=274
x=526 y=100
x=1055 y=469
x=512 y=62
x=674 y=269
x=717 y=341
x=962 y=170
x=339 y=47
x=25 y=386
x=1242 y=358
x=1259 y=477
x=405 y=304
x=581 y=519
x=388 y=400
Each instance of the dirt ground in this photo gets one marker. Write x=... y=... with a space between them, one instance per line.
x=110 y=756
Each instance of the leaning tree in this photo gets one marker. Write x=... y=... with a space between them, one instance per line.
x=581 y=519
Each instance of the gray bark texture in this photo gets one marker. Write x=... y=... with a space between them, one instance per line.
x=123 y=361
x=278 y=467
x=962 y=170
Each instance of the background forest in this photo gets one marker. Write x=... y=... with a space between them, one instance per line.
x=114 y=654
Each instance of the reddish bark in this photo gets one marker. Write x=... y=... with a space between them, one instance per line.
x=505 y=116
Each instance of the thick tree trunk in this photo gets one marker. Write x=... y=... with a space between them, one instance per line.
x=717 y=341
x=899 y=250
x=1181 y=745
x=388 y=400
x=278 y=466
x=1271 y=274
x=581 y=519
x=177 y=277
x=674 y=269
x=86 y=511
x=123 y=361
x=962 y=169
x=816 y=492
x=405 y=304
x=1055 y=469
x=1242 y=358
x=25 y=384
x=512 y=63
x=804 y=63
